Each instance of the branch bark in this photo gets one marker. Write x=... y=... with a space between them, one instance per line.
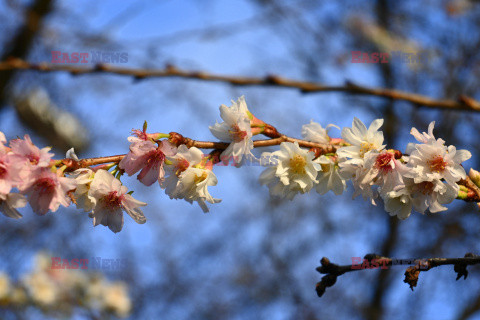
x=463 y=103
x=373 y=261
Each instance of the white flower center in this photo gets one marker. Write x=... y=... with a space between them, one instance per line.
x=236 y=134
x=113 y=201
x=200 y=178
x=181 y=166
x=365 y=147
x=325 y=167
x=383 y=162
x=425 y=187
x=297 y=164
x=437 y=164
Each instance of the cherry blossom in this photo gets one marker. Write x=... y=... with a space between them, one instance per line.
x=329 y=177
x=10 y=172
x=432 y=160
x=146 y=156
x=316 y=133
x=236 y=128
x=398 y=203
x=362 y=140
x=425 y=178
x=423 y=137
x=384 y=170
x=193 y=185
x=430 y=195
x=83 y=199
x=25 y=149
x=188 y=179
x=47 y=190
x=295 y=172
x=111 y=198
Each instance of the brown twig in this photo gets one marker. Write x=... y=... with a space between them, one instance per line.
x=373 y=261
x=178 y=139
x=463 y=102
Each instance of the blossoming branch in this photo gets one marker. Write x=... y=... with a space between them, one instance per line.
x=428 y=175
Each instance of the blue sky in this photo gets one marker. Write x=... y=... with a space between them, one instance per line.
x=110 y=106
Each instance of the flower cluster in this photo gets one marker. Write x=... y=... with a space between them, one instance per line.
x=62 y=291
x=38 y=180
x=425 y=177
x=183 y=172
x=27 y=168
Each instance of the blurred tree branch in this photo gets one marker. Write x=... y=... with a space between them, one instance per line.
x=464 y=103
x=22 y=42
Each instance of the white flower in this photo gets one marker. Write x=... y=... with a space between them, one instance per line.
x=363 y=184
x=398 y=203
x=181 y=161
x=186 y=179
x=193 y=186
x=421 y=196
x=111 y=198
x=295 y=172
x=83 y=199
x=432 y=160
x=316 y=133
x=10 y=202
x=433 y=195
x=423 y=137
x=329 y=178
x=384 y=170
x=362 y=140
x=71 y=154
x=237 y=129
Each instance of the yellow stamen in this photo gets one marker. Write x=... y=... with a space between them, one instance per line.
x=365 y=147
x=297 y=164
x=200 y=178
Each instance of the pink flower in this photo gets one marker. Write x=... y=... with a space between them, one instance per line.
x=26 y=149
x=9 y=173
x=384 y=170
x=47 y=191
x=144 y=155
x=111 y=198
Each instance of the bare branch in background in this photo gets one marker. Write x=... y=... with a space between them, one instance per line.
x=463 y=103
x=373 y=261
